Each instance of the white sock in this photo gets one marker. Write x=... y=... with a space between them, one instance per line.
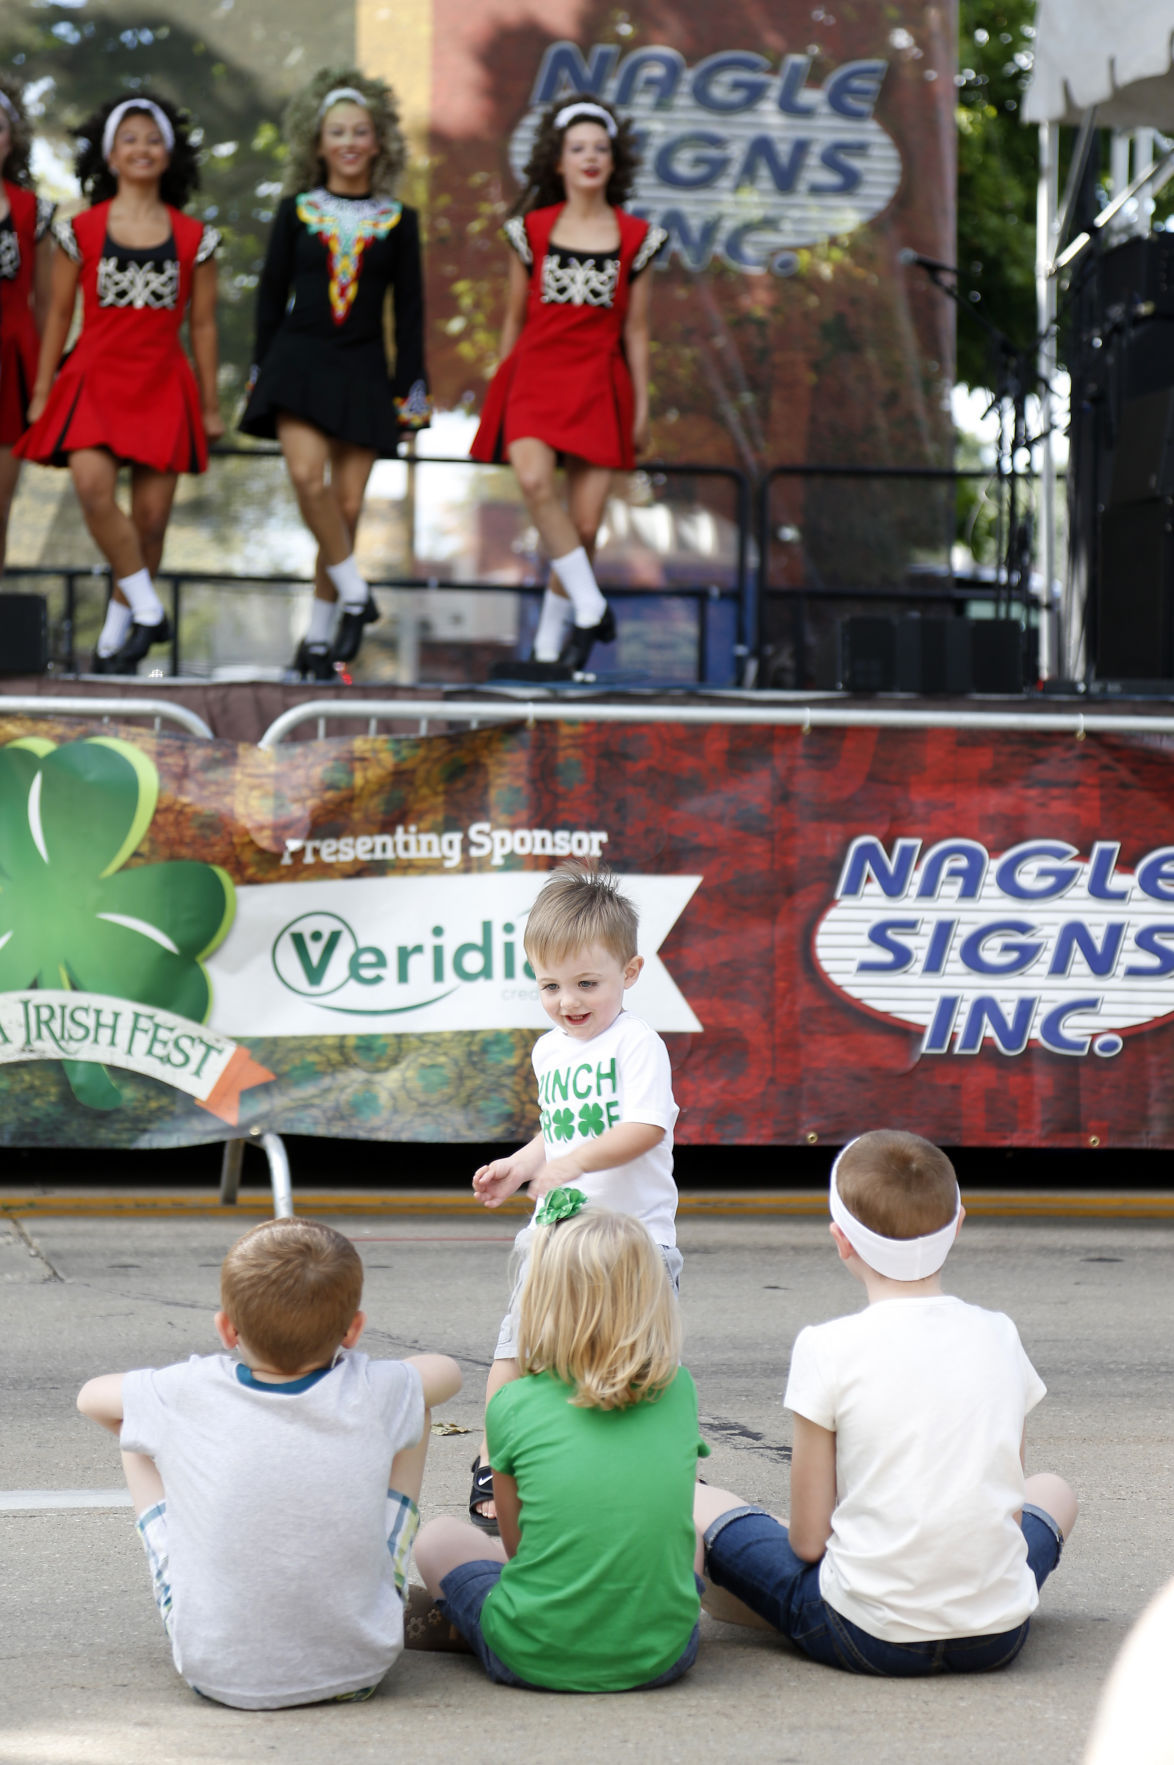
x=578 y=578
x=352 y=590
x=113 y=633
x=552 y=626
x=145 y=606
x=322 y=617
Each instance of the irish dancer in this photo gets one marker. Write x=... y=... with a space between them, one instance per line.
x=126 y=395
x=573 y=381
x=322 y=384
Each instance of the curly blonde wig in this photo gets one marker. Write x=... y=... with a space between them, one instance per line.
x=16 y=164
x=302 y=128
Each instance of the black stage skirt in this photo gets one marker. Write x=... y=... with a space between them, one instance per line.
x=346 y=393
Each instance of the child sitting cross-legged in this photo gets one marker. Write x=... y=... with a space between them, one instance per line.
x=275 y=1492
x=915 y=1543
x=594 y=1452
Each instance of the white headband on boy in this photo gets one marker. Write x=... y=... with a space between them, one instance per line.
x=900 y=1259
x=342 y=95
x=569 y=112
x=161 y=119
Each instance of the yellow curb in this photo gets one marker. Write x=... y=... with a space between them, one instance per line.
x=799 y=1203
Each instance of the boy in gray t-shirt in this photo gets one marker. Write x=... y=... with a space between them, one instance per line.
x=276 y=1492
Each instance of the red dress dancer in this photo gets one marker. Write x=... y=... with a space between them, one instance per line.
x=127 y=385
x=572 y=388
x=28 y=222
x=566 y=381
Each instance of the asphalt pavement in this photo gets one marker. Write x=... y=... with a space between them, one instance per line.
x=85 y=1671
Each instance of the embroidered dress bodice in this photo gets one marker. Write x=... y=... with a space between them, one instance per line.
x=139 y=276
x=10 y=258
x=580 y=278
x=346 y=225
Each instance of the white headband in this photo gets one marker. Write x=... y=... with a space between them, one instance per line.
x=900 y=1259
x=570 y=111
x=162 y=123
x=338 y=95
x=9 y=106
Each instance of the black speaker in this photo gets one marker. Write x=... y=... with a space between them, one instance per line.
x=1138 y=275
x=933 y=655
x=1135 y=593
x=997 y=649
x=868 y=654
x=24 y=634
x=1143 y=461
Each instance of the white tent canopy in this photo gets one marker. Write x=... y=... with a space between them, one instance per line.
x=1118 y=57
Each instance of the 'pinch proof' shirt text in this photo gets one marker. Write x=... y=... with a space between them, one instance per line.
x=584 y=1088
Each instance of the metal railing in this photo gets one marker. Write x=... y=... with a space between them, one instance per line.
x=805 y=717
x=752 y=591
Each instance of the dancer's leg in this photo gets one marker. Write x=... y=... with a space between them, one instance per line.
x=9 y=473
x=307 y=456
x=534 y=464
x=151 y=497
x=95 y=477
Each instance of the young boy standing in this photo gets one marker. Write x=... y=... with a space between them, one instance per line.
x=275 y=1492
x=605 y=1094
x=915 y=1543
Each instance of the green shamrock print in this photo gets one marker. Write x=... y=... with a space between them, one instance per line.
x=562 y=1123
x=72 y=917
x=591 y=1119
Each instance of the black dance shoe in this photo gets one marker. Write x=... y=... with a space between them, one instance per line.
x=314 y=661
x=100 y=664
x=350 y=630
x=581 y=640
x=138 y=641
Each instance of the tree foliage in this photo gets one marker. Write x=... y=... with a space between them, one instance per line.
x=997 y=173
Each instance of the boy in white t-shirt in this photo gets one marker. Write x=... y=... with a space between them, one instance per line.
x=275 y=1492
x=605 y=1094
x=915 y=1543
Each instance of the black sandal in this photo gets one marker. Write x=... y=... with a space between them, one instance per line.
x=481 y=1491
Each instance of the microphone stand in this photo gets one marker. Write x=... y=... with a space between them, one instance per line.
x=1016 y=377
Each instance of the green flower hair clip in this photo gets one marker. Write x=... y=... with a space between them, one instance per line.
x=559 y=1204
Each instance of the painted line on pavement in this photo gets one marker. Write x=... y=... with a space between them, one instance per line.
x=14 y=1501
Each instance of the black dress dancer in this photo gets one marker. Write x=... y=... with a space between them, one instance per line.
x=321 y=382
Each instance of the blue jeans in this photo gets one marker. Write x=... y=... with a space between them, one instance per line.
x=748 y=1553
x=464 y=1591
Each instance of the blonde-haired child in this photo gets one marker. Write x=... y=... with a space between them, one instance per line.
x=605 y=1095
x=594 y=1452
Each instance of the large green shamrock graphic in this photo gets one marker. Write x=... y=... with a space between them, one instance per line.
x=71 y=916
x=591 y=1119
x=563 y=1123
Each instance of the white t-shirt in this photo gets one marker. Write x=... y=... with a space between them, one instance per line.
x=927 y=1399
x=282 y=1584
x=584 y=1088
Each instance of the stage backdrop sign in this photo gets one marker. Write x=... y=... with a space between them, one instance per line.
x=966 y=934
x=790 y=153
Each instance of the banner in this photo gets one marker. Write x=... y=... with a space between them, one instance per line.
x=790 y=158
x=967 y=934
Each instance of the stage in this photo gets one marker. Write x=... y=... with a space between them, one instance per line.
x=243 y=710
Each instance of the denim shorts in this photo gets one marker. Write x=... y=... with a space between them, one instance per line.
x=748 y=1553
x=464 y=1591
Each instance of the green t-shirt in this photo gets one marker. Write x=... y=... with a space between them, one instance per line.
x=601 y=1594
